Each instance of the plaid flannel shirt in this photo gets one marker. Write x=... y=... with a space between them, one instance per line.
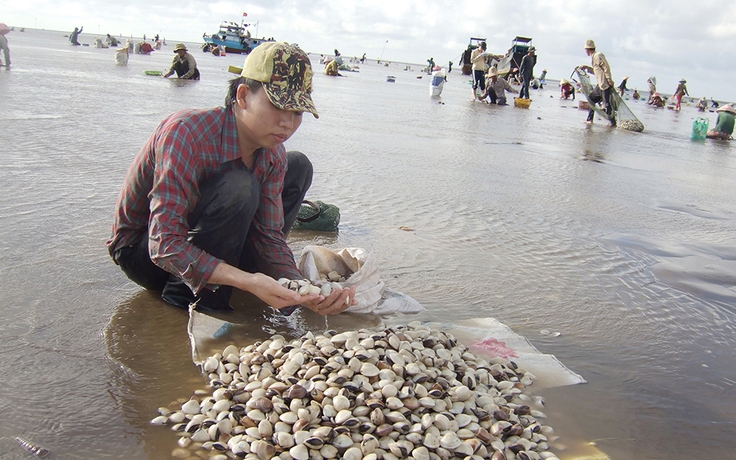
x=162 y=188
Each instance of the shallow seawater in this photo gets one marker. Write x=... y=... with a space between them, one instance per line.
x=622 y=242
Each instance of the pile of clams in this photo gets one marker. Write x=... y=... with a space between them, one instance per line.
x=407 y=392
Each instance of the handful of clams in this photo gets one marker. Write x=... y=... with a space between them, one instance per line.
x=407 y=392
x=327 y=283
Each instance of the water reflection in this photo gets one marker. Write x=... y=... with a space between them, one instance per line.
x=147 y=339
x=591 y=155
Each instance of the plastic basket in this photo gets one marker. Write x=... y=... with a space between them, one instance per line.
x=523 y=103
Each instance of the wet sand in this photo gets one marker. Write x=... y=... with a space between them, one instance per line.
x=623 y=242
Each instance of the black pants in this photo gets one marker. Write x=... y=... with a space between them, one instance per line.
x=598 y=95
x=524 y=92
x=479 y=80
x=219 y=225
x=181 y=68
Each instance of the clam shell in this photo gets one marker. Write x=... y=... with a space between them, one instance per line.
x=190 y=407
x=369 y=370
x=450 y=441
x=283 y=439
x=340 y=403
x=299 y=452
x=353 y=453
x=420 y=453
x=431 y=441
x=328 y=451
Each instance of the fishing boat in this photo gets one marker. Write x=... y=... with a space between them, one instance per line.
x=512 y=59
x=234 y=37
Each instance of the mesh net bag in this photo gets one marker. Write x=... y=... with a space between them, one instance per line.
x=317 y=216
x=625 y=118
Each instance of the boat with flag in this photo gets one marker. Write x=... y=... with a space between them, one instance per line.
x=234 y=37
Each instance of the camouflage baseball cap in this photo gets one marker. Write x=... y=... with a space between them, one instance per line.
x=286 y=74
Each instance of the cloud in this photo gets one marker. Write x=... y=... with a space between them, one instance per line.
x=668 y=39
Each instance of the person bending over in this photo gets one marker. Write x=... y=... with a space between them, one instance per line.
x=496 y=87
x=208 y=200
x=183 y=64
x=724 y=123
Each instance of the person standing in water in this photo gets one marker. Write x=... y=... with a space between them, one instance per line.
x=526 y=70
x=604 y=82
x=679 y=92
x=478 y=58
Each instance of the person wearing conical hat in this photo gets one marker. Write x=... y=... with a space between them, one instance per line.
x=183 y=64
x=209 y=199
x=724 y=123
x=656 y=100
x=567 y=89
x=496 y=87
x=679 y=92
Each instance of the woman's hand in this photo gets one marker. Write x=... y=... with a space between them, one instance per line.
x=270 y=291
x=262 y=286
x=337 y=302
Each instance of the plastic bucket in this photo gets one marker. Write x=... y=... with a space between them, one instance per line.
x=700 y=128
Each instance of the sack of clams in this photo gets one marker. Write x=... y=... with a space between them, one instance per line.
x=407 y=392
x=355 y=267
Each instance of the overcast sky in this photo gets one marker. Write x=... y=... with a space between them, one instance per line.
x=668 y=39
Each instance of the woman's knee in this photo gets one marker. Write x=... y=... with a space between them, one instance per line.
x=299 y=170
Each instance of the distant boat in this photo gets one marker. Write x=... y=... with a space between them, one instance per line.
x=234 y=37
x=512 y=59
